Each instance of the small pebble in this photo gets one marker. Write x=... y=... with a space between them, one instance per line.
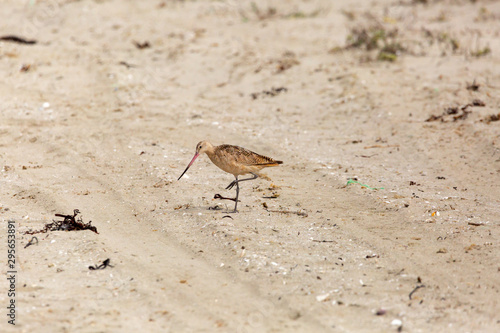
x=396 y=322
x=322 y=298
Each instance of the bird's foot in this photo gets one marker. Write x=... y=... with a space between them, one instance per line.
x=220 y=197
x=230 y=186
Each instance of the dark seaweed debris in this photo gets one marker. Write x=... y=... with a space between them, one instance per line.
x=105 y=263
x=456 y=112
x=70 y=223
x=31 y=242
x=17 y=39
x=490 y=118
x=269 y=93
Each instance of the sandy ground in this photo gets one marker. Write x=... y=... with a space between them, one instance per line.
x=90 y=121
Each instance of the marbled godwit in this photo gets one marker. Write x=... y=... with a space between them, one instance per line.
x=235 y=160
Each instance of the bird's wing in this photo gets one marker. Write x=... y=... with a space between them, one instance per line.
x=245 y=156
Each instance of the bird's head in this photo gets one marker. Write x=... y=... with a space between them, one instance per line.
x=201 y=147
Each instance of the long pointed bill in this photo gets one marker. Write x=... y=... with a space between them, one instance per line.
x=190 y=163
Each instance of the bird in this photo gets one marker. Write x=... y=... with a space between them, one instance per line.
x=234 y=160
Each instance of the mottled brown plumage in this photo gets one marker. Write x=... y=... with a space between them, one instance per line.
x=238 y=160
x=234 y=160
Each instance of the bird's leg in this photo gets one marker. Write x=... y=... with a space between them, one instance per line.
x=234 y=182
x=236 y=199
x=237 y=183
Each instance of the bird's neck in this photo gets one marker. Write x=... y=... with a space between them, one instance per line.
x=210 y=151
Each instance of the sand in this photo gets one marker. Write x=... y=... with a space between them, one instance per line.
x=103 y=113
